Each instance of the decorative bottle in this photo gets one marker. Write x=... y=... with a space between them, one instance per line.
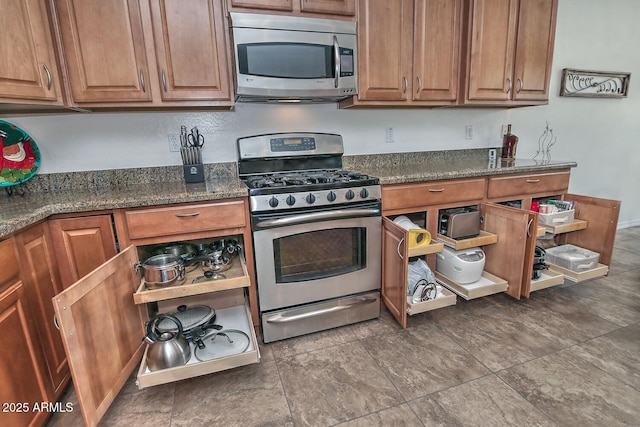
x=509 y=143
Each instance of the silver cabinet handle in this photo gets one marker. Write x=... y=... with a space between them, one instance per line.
x=510 y=85
x=283 y=318
x=520 y=86
x=398 y=248
x=419 y=84
x=436 y=190
x=164 y=81
x=529 y=227
x=533 y=181
x=185 y=215
x=55 y=322
x=336 y=58
x=46 y=70
x=406 y=84
x=144 y=89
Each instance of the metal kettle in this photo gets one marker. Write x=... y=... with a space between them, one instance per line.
x=166 y=349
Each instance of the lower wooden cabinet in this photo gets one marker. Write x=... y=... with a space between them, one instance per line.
x=81 y=244
x=102 y=316
x=21 y=360
x=39 y=273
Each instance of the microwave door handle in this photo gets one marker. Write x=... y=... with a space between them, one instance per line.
x=336 y=59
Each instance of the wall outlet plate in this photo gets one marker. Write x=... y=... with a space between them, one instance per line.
x=174 y=143
x=468 y=132
x=390 y=136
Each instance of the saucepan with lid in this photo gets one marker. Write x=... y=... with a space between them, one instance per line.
x=162 y=270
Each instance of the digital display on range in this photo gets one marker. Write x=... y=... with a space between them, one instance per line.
x=292 y=144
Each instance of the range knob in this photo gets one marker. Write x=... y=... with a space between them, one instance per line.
x=364 y=193
x=331 y=196
x=291 y=200
x=350 y=194
x=273 y=202
x=310 y=198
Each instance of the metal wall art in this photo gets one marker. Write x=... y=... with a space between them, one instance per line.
x=594 y=84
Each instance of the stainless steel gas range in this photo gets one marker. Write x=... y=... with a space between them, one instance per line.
x=316 y=230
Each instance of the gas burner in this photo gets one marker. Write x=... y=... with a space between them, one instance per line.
x=290 y=179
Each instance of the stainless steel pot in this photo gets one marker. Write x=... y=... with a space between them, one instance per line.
x=162 y=270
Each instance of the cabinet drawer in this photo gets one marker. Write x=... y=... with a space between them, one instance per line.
x=166 y=221
x=403 y=196
x=504 y=186
x=9 y=270
x=233 y=314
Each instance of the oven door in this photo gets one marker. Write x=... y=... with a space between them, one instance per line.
x=309 y=257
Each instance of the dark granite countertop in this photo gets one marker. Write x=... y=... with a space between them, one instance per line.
x=47 y=195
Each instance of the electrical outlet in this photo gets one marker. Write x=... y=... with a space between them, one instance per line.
x=468 y=132
x=390 y=135
x=174 y=143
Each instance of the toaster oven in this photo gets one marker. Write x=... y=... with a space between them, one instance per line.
x=459 y=223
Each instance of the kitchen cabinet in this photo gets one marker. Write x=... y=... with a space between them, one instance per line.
x=508 y=51
x=106 y=58
x=28 y=70
x=23 y=384
x=395 y=259
x=41 y=280
x=81 y=244
x=191 y=52
x=408 y=53
x=593 y=227
x=145 y=54
x=113 y=301
x=327 y=7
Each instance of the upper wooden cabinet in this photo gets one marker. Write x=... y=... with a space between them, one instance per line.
x=190 y=49
x=105 y=57
x=409 y=52
x=328 y=7
x=509 y=51
x=111 y=61
x=28 y=69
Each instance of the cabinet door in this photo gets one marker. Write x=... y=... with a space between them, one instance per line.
x=385 y=38
x=264 y=4
x=491 y=51
x=22 y=384
x=436 y=49
x=507 y=257
x=28 y=70
x=334 y=7
x=102 y=331
x=104 y=50
x=395 y=259
x=534 y=49
x=81 y=245
x=40 y=276
x=190 y=47
x=602 y=220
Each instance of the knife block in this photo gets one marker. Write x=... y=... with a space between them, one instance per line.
x=193 y=173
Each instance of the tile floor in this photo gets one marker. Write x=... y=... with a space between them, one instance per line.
x=567 y=356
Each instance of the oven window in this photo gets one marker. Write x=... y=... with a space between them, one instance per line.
x=286 y=60
x=319 y=254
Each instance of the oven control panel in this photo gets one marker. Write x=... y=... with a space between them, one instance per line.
x=309 y=199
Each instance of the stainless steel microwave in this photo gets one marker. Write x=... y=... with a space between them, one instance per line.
x=282 y=58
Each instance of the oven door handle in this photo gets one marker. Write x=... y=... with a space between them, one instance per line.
x=283 y=318
x=318 y=216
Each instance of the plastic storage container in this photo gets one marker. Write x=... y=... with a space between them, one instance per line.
x=572 y=257
x=558 y=218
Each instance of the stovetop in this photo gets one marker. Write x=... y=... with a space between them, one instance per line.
x=324 y=178
x=300 y=171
